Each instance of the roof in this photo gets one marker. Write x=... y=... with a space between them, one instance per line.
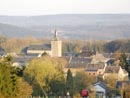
x=112 y=69
x=95 y=67
x=122 y=83
x=102 y=84
x=78 y=62
x=33 y=54
x=40 y=47
x=99 y=58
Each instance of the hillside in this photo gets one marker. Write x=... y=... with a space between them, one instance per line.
x=74 y=26
x=18 y=32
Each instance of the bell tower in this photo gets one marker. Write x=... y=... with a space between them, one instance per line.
x=56 y=46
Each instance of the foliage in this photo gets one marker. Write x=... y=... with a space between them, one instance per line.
x=125 y=63
x=122 y=59
x=111 y=81
x=8 y=80
x=17 y=44
x=117 y=45
x=46 y=75
x=24 y=89
x=80 y=81
x=69 y=83
x=11 y=85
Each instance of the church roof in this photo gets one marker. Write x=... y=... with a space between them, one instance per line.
x=40 y=47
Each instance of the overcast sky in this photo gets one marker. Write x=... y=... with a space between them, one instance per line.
x=45 y=7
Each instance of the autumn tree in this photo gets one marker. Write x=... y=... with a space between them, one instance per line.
x=80 y=81
x=10 y=86
x=8 y=79
x=22 y=92
x=45 y=76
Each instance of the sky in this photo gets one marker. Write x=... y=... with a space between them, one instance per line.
x=47 y=7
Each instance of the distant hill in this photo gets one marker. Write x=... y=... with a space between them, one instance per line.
x=19 y=32
x=74 y=26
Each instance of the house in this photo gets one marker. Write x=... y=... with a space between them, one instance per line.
x=77 y=62
x=54 y=49
x=95 y=69
x=100 y=89
x=115 y=71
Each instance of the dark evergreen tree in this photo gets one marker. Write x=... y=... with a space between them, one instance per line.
x=125 y=63
x=69 y=83
x=122 y=59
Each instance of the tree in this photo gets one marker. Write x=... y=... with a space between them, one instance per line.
x=80 y=81
x=11 y=85
x=111 y=81
x=125 y=63
x=8 y=80
x=122 y=59
x=44 y=75
x=22 y=93
x=69 y=83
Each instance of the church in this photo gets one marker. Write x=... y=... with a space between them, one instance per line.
x=54 y=49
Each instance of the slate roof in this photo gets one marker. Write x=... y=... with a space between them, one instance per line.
x=40 y=47
x=33 y=54
x=78 y=62
x=101 y=84
x=112 y=69
x=95 y=67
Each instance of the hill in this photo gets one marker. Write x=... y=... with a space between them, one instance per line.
x=74 y=26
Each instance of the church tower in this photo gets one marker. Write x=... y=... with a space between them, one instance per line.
x=56 y=46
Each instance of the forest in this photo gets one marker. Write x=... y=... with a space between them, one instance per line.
x=19 y=45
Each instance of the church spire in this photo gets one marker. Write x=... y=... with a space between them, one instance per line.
x=55 y=36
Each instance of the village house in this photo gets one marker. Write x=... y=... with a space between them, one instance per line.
x=115 y=71
x=76 y=63
x=100 y=89
x=95 y=69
